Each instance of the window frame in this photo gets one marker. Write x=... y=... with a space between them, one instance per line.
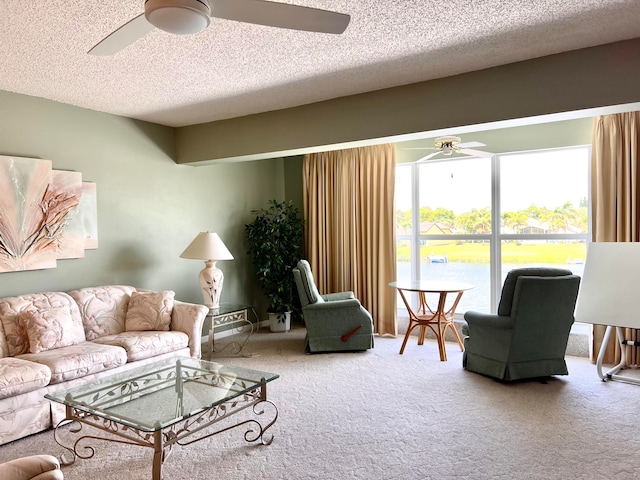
x=496 y=237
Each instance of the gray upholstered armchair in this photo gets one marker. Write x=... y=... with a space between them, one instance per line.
x=35 y=467
x=336 y=321
x=528 y=336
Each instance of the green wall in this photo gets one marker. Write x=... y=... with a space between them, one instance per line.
x=149 y=208
x=293 y=180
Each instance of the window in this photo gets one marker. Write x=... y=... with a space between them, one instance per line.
x=474 y=219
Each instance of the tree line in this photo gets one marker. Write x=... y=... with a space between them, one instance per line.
x=564 y=218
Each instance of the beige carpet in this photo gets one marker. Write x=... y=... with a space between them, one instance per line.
x=380 y=415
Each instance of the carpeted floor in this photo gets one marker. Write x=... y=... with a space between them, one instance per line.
x=381 y=415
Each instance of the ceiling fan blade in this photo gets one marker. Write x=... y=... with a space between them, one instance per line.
x=281 y=15
x=124 y=36
x=475 y=153
x=424 y=159
x=420 y=148
x=471 y=145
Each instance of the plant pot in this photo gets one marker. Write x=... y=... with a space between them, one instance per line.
x=280 y=322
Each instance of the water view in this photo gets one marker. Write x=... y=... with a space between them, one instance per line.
x=477 y=274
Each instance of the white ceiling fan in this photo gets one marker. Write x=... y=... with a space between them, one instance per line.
x=184 y=17
x=449 y=145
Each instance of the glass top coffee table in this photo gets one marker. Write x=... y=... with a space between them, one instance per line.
x=166 y=403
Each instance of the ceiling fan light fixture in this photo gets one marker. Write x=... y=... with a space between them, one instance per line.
x=181 y=17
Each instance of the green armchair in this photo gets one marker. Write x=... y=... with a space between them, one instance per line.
x=335 y=322
x=528 y=336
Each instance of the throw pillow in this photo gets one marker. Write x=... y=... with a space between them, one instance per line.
x=149 y=311
x=49 y=328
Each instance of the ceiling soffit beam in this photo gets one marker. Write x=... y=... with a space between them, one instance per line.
x=581 y=79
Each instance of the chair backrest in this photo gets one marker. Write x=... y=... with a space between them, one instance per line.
x=305 y=284
x=509 y=287
x=543 y=312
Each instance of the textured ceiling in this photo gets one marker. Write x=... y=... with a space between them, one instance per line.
x=234 y=69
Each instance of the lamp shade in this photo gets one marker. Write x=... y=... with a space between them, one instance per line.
x=207 y=246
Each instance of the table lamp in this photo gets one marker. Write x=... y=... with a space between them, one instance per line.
x=207 y=246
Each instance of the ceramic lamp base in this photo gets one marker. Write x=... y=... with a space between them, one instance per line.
x=211 y=279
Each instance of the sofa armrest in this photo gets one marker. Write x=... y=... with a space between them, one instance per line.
x=189 y=318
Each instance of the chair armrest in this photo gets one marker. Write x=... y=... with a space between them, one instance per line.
x=189 y=318
x=332 y=297
x=336 y=318
x=488 y=320
x=346 y=303
x=32 y=467
x=50 y=475
x=488 y=335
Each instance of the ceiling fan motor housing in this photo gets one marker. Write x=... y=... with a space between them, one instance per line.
x=447 y=144
x=181 y=17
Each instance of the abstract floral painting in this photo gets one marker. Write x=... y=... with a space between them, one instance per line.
x=89 y=215
x=70 y=241
x=81 y=232
x=37 y=204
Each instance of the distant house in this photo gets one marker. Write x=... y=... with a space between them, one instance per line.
x=535 y=227
x=427 y=228
x=435 y=228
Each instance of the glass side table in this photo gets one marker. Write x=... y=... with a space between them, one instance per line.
x=236 y=317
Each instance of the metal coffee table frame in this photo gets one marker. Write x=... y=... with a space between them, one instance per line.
x=93 y=406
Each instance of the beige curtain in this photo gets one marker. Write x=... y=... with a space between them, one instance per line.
x=350 y=226
x=615 y=201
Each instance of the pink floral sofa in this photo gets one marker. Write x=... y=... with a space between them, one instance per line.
x=56 y=340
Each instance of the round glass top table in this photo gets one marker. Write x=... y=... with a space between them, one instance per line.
x=436 y=318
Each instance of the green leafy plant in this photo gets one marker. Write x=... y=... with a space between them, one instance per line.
x=275 y=244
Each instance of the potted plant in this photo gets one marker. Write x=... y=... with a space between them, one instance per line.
x=275 y=244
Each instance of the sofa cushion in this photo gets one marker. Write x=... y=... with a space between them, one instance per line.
x=103 y=309
x=20 y=376
x=14 y=309
x=141 y=345
x=50 y=328
x=149 y=311
x=78 y=360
